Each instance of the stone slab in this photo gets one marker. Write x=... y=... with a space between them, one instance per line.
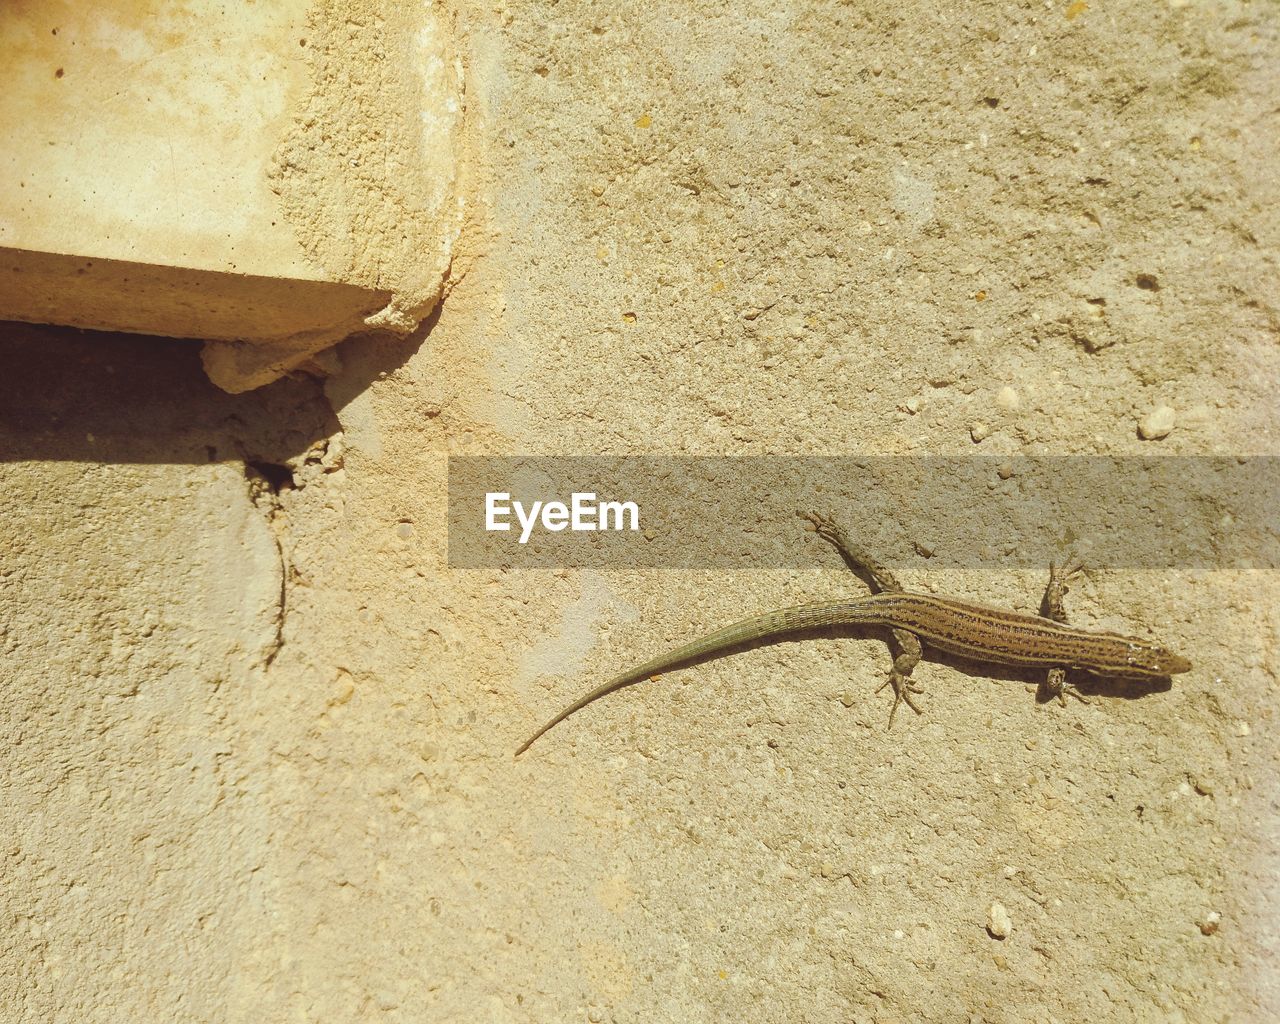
x=140 y=181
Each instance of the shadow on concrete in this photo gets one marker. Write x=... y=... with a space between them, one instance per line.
x=364 y=358
x=89 y=396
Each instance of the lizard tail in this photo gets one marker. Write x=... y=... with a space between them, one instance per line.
x=760 y=627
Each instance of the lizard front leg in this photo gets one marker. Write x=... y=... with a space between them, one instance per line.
x=1060 y=574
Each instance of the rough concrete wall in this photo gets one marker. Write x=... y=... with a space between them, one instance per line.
x=367 y=173
x=829 y=228
x=844 y=228
x=141 y=602
x=130 y=641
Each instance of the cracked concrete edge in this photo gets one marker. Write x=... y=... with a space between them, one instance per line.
x=368 y=175
x=239 y=366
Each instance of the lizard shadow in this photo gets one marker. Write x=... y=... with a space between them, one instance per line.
x=1086 y=682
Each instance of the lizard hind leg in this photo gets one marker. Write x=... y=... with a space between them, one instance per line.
x=856 y=557
x=905 y=645
x=909 y=649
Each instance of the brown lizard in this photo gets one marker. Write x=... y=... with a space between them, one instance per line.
x=957 y=627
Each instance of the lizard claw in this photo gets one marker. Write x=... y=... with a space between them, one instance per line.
x=1056 y=685
x=1071 y=565
x=823 y=525
x=903 y=688
x=1060 y=575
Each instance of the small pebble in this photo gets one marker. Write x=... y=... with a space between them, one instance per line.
x=1156 y=424
x=1209 y=926
x=923 y=548
x=914 y=404
x=998 y=923
x=848 y=699
x=979 y=431
x=1007 y=398
x=1005 y=471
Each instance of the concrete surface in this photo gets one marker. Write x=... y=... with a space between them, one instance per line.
x=829 y=228
x=160 y=173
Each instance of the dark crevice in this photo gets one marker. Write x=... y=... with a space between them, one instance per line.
x=93 y=397
x=277 y=476
x=87 y=396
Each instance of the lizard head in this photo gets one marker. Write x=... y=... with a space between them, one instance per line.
x=1151 y=661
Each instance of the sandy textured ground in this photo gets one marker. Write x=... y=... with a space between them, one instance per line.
x=258 y=735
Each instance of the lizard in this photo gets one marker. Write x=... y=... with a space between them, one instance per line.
x=970 y=631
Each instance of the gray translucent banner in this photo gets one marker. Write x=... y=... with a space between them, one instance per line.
x=968 y=511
